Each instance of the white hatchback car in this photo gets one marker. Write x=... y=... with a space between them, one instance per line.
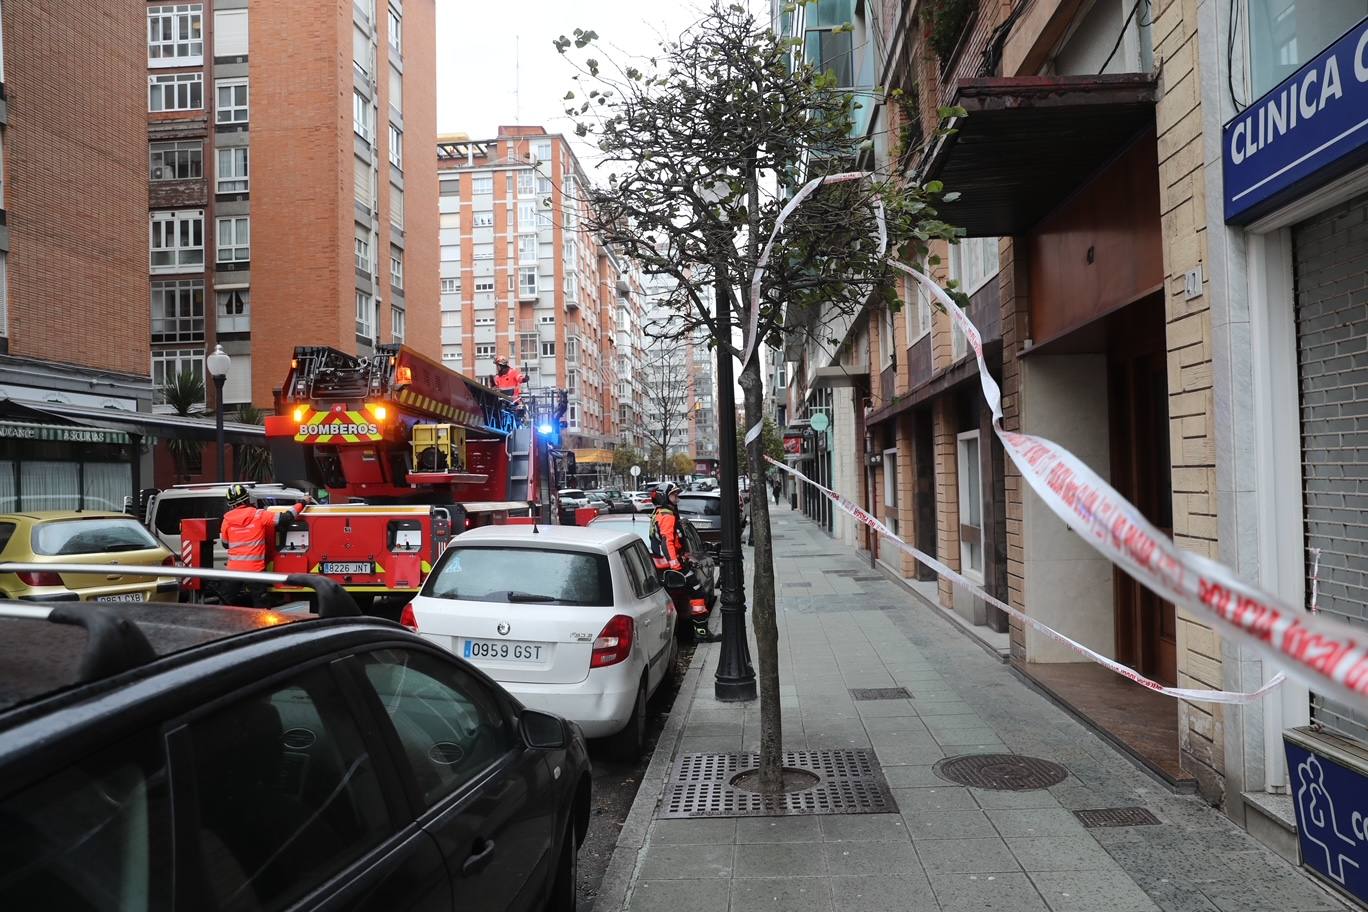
x=572 y=620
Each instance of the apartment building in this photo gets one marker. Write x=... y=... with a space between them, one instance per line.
x=524 y=276
x=278 y=181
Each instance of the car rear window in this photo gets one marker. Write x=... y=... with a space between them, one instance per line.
x=91 y=536
x=707 y=506
x=522 y=575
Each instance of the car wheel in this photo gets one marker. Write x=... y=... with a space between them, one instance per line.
x=565 y=892
x=628 y=743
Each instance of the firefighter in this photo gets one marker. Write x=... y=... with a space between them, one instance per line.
x=508 y=378
x=244 y=532
x=669 y=547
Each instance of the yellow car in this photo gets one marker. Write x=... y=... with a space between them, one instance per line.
x=63 y=537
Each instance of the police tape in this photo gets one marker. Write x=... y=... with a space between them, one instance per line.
x=1198 y=696
x=1328 y=656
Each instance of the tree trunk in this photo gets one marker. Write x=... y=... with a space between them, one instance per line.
x=762 y=592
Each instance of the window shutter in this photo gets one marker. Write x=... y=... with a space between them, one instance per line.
x=237 y=386
x=230 y=33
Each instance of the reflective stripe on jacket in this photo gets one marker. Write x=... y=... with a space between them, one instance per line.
x=244 y=532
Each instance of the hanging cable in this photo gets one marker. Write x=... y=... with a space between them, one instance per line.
x=1122 y=37
x=1233 y=29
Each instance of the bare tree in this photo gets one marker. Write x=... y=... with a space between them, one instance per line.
x=667 y=400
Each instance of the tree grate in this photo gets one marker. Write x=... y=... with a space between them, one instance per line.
x=879 y=693
x=849 y=782
x=1001 y=772
x=1116 y=817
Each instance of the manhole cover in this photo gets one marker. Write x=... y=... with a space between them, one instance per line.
x=1002 y=772
x=1116 y=817
x=879 y=693
x=850 y=782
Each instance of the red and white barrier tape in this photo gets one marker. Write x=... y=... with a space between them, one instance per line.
x=1199 y=696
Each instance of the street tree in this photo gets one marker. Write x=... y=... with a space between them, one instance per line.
x=771 y=442
x=681 y=464
x=184 y=393
x=624 y=457
x=667 y=400
x=705 y=141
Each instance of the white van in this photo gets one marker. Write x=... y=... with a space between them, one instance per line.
x=166 y=509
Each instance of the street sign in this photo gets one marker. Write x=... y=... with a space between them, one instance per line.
x=635 y=470
x=819 y=422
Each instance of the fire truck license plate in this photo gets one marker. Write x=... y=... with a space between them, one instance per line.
x=348 y=568
x=502 y=651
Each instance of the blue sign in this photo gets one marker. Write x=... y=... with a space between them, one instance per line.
x=1332 y=817
x=1311 y=128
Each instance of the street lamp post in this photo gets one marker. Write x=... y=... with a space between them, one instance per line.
x=735 y=678
x=218 y=363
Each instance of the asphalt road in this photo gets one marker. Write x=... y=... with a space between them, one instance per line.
x=615 y=787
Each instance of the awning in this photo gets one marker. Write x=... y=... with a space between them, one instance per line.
x=64 y=433
x=593 y=457
x=837 y=376
x=1029 y=142
x=144 y=424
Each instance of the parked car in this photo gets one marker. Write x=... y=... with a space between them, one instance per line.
x=574 y=497
x=60 y=537
x=167 y=508
x=568 y=619
x=704 y=570
x=641 y=501
x=214 y=757
x=704 y=510
x=611 y=501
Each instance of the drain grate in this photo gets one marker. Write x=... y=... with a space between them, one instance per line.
x=879 y=693
x=850 y=783
x=1116 y=817
x=1001 y=772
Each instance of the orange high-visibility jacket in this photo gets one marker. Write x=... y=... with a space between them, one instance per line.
x=511 y=380
x=667 y=539
x=244 y=531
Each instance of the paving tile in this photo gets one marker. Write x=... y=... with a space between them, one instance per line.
x=752 y=830
x=955 y=721
x=988 y=893
x=1061 y=853
x=895 y=725
x=791 y=859
x=943 y=798
x=891 y=893
x=673 y=895
x=912 y=777
x=909 y=754
x=777 y=894
x=711 y=745
x=966 y=856
x=681 y=862
x=926 y=708
x=1089 y=891
x=717 y=831
x=1035 y=822
x=1000 y=798
x=949 y=825
x=871 y=858
x=1174 y=894
x=979 y=735
x=1280 y=891
x=877 y=708
x=863 y=828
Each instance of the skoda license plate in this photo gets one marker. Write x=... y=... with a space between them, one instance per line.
x=503 y=651
x=348 y=568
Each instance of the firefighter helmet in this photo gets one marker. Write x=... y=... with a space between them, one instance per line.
x=501 y=361
x=665 y=491
x=238 y=495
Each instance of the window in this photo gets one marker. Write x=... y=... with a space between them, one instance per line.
x=175 y=35
x=483 y=574
x=177 y=240
x=232 y=170
x=890 y=489
x=364 y=182
x=918 y=310
x=176 y=161
x=175 y=92
x=396 y=31
x=231 y=98
x=363 y=117
x=396 y=91
x=959 y=342
x=234 y=239
x=178 y=311
x=484 y=321
x=526 y=183
x=527 y=248
x=1284 y=34
x=547 y=319
x=396 y=207
x=361 y=250
x=363 y=58
x=365 y=315
x=548 y=349
x=451 y=286
x=541 y=150
x=543 y=217
x=484 y=284
x=481 y=184
x=398 y=319
x=527 y=215
x=170 y=363
x=527 y=281
x=397 y=269
x=482 y=219
x=107 y=815
x=484 y=351
x=4 y=293
x=543 y=185
x=230 y=33
x=288 y=818
x=970 y=507
x=233 y=312
x=452 y=353
x=973 y=261
x=527 y=345
x=830 y=51
x=640 y=569
x=451 y=319
x=396 y=146
x=483 y=252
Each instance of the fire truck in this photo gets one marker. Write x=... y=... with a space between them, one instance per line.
x=410 y=453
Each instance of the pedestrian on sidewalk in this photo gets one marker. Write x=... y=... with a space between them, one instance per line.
x=777 y=486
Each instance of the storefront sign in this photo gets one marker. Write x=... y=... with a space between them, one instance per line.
x=1330 y=794
x=17 y=430
x=793 y=444
x=1314 y=124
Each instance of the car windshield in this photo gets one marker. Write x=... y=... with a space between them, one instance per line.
x=171 y=510
x=91 y=536
x=705 y=506
x=522 y=575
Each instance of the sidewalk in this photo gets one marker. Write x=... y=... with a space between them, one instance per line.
x=844 y=626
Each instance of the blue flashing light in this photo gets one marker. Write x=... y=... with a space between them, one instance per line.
x=545 y=429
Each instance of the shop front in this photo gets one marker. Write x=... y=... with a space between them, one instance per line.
x=52 y=466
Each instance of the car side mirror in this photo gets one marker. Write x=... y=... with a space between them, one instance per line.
x=715 y=548
x=542 y=730
x=673 y=579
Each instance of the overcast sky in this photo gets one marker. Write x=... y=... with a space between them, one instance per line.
x=496 y=64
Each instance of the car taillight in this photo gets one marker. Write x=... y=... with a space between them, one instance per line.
x=614 y=642
x=170 y=561
x=408 y=618
x=39 y=578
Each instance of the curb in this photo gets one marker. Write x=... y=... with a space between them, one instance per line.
x=616 y=886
